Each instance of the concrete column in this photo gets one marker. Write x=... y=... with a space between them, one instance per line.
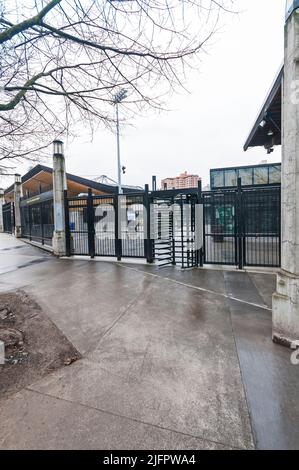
x=17 y=191
x=286 y=298
x=59 y=185
x=2 y=201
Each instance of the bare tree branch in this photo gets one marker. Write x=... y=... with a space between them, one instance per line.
x=61 y=61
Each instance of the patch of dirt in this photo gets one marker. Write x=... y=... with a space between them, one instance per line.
x=34 y=346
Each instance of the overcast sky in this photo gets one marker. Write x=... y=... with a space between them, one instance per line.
x=208 y=127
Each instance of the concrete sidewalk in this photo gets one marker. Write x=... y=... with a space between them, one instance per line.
x=171 y=359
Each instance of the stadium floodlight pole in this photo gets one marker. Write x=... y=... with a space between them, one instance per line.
x=118 y=98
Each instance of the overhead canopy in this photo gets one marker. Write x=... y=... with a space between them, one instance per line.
x=266 y=131
x=39 y=179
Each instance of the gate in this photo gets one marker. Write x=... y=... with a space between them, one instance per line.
x=8 y=212
x=220 y=228
x=37 y=220
x=242 y=227
x=133 y=226
x=176 y=228
x=78 y=226
x=187 y=228
x=261 y=224
x=94 y=227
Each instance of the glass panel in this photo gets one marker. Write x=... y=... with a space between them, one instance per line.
x=275 y=174
x=246 y=176
x=230 y=177
x=217 y=179
x=261 y=175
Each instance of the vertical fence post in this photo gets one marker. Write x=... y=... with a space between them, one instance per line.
x=182 y=231
x=42 y=221
x=2 y=202
x=154 y=183
x=12 y=216
x=30 y=221
x=117 y=225
x=90 y=224
x=239 y=224
x=148 y=244
x=171 y=233
x=200 y=201
x=67 y=225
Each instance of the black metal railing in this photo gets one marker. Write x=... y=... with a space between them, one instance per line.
x=37 y=222
x=93 y=226
x=242 y=227
x=8 y=217
x=239 y=227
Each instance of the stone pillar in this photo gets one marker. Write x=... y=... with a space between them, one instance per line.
x=1 y=213
x=17 y=191
x=59 y=185
x=286 y=298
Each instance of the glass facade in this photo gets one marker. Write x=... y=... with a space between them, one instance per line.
x=275 y=174
x=217 y=178
x=246 y=176
x=259 y=175
x=230 y=178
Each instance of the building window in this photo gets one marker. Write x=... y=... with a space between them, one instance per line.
x=217 y=178
x=261 y=175
x=230 y=178
x=274 y=174
x=246 y=175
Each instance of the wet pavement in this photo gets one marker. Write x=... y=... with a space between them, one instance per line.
x=171 y=359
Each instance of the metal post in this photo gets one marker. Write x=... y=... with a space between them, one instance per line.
x=200 y=201
x=240 y=224
x=90 y=224
x=171 y=233
x=117 y=227
x=154 y=183
x=42 y=221
x=182 y=230
x=148 y=245
x=2 y=202
x=118 y=152
x=30 y=222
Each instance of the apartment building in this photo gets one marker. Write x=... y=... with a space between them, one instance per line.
x=183 y=181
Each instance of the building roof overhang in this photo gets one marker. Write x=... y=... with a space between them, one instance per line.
x=41 y=174
x=266 y=131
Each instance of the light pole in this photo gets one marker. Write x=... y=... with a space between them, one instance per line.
x=118 y=98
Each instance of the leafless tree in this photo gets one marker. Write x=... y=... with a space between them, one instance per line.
x=61 y=61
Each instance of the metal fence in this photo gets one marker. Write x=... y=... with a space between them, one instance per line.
x=176 y=229
x=238 y=227
x=186 y=228
x=242 y=227
x=8 y=217
x=261 y=226
x=37 y=220
x=93 y=226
